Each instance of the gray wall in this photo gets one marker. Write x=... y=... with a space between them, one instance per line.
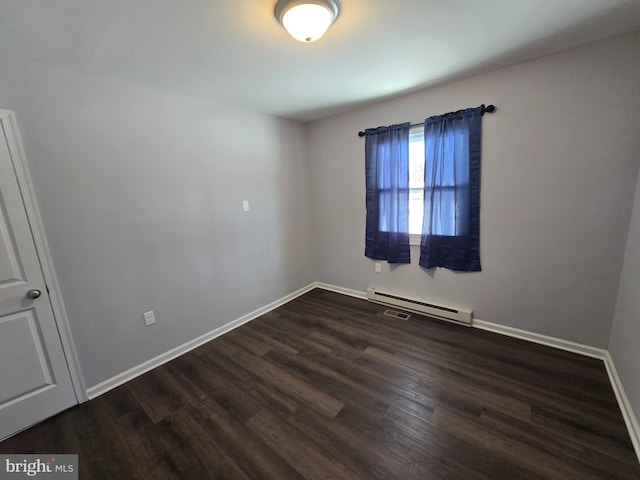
x=623 y=345
x=141 y=196
x=560 y=161
x=141 y=192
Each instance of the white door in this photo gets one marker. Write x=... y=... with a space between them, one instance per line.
x=35 y=382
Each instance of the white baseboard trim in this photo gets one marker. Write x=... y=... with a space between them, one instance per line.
x=623 y=401
x=342 y=290
x=130 y=374
x=559 y=343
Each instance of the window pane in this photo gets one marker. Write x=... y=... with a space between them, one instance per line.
x=416 y=164
x=444 y=205
x=383 y=204
x=451 y=211
x=416 y=207
x=416 y=179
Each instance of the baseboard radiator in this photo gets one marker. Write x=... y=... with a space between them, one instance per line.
x=462 y=316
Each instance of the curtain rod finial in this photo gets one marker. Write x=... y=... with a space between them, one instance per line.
x=361 y=133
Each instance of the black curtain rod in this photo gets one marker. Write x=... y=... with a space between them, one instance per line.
x=487 y=109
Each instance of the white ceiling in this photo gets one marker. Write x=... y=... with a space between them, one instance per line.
x=234 y=51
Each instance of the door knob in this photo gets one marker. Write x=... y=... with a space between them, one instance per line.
x=33 y=293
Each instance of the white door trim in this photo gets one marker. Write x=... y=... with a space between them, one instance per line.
x=44 y=254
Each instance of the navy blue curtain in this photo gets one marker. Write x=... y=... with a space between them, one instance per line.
x=387 y=183
x=451 y=224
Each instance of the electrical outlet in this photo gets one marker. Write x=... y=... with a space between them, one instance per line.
x=149 y=318
x=378 y=267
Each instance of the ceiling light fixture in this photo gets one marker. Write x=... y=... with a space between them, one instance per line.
x=307 y=20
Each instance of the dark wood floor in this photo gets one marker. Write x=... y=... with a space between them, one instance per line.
x=328 y=387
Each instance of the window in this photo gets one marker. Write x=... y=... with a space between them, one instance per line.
x=423 y=188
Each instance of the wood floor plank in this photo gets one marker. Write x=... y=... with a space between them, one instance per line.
x=256 y=459
x=366 y=459
x=134 y=431
x=303 y=455
x=268 y=397
x=281 y=379
x=234 y=399
x=610 y=437
x=157 y=400
x=565 y=449
x=267 y=339
x=99 y=443
x=533 y=461
x=452 y=457
x=326 y=386
x=462 y=386
x=246 y=341
x=331 y=380
x=190 y=451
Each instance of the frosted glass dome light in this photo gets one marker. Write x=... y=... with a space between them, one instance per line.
x=306 y=21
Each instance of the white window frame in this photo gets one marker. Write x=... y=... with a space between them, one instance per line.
x=416 y=165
